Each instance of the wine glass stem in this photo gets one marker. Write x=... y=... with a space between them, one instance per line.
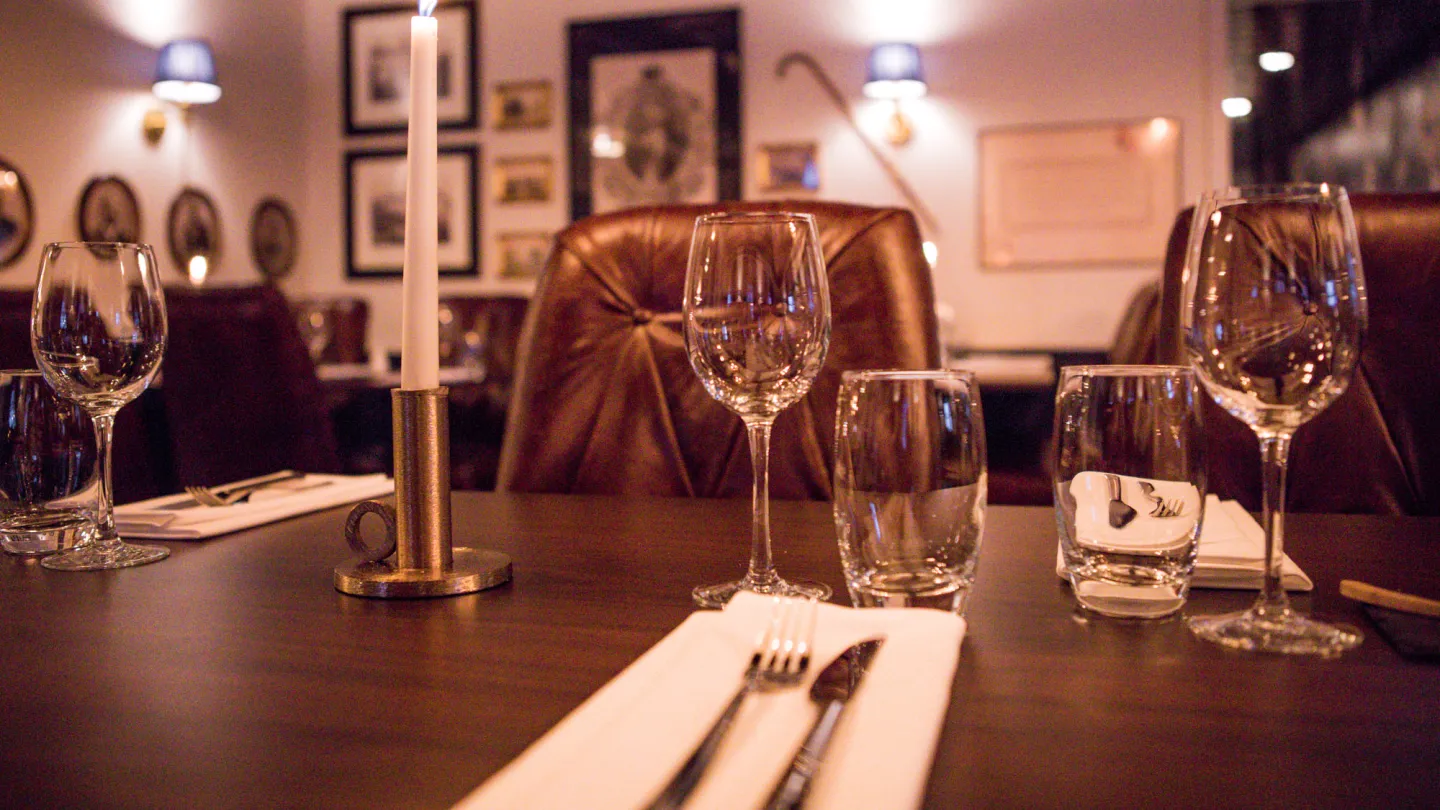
x=1274 y=459
x=105 y=534
x=762 y=567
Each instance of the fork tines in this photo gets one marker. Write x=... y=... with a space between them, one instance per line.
x=784 y=645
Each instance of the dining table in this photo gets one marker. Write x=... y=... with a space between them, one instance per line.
x=233 y=674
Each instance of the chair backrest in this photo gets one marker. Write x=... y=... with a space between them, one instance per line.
x=1377 y=448
x=606 y=401
x=348 y=319
x=241 y=396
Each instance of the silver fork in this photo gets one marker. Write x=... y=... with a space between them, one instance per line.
x=1163 y=508
x=782 y=655
x=206 y=496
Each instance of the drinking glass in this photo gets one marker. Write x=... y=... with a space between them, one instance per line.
x=47 y=467
x=757 y=327
x=317 y=328
x=1129 y=486
x=1273 y=316
x=910 y=487
x=98 y=331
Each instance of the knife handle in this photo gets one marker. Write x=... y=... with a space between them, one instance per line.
x=790 y=792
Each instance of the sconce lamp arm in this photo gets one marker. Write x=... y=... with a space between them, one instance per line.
x=796 y=57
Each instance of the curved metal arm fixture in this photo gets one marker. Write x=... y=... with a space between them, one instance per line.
x=830 y=89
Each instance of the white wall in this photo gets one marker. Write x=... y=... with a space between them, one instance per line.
x=989 y=63
x=75 y=84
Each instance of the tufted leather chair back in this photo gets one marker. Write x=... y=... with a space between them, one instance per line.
x=1377 y=448
x=605 y=399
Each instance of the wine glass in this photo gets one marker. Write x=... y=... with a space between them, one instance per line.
x=1274 y=312
x=757 y=327
x=98 y=332
x=316 y=328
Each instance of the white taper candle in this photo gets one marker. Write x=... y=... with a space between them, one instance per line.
x=420 y=340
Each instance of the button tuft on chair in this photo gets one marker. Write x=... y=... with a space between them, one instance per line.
x=642 y=316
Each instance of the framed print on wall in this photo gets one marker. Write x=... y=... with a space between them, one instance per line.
x=375 y=212
x=17 y=214
x=375 y=45
x=108 y=211
x=654 y=111
x=523 y=254
x=524 y=179
x=788 y=167
x=522 y=105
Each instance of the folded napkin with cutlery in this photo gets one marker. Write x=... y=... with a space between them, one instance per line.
x=180 y=517
x=620 y=747
x=1232 y=552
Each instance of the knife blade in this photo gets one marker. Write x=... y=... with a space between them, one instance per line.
x=831 y=691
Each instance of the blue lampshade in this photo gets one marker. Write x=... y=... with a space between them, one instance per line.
x=893 y=71
x=185 y=73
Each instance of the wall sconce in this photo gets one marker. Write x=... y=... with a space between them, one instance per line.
x=893 y=72
x=184 y=75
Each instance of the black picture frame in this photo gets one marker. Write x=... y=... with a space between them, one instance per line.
x=194 y=230
x=17 y=214
x=375 y=212
x=108 y=211
x=375 y=50
x=274 y=239
x=599 y=59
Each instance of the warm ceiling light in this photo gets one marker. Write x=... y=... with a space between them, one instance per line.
x=1236 y=107
x=1277 y=61
x=893 y=72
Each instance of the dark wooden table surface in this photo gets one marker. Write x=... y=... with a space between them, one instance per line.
x=232 y=675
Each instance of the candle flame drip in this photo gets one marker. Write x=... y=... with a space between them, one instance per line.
x=427 y=7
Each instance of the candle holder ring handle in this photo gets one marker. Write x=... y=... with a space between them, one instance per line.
x=379 y=551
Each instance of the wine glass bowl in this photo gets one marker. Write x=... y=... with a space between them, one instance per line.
x=757 y=328
x=98 y=331
x=1274 y=314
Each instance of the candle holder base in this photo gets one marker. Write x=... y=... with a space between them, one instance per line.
x=471 y=570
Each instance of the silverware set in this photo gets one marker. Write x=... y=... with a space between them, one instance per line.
x=228 y=495
x=780 y=660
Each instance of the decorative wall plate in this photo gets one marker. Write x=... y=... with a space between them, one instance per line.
x=17 y=214
x=108 y=211
x=273 y=239
x=194 y=230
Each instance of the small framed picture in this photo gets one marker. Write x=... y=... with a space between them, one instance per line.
x=17 y=214
x=523 y=254
x=524 y=180
x=376 y=50
x=522 y=105
x=788 y=167
x=375 y=212
x=194 y=230
x=108 y=211
x=273 y=243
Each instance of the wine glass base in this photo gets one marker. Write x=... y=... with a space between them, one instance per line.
x=1287 y=633
x=95 y=557
x=716 y=596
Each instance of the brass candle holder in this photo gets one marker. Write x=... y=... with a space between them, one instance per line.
x=417 y=528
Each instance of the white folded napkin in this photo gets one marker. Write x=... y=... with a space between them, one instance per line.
x=620 y=747
x=1232 y=551
x=179 y=517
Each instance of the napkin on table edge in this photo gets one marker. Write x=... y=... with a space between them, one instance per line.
x=151 y=519
x=619 y=747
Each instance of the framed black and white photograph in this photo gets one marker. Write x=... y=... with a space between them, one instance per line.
x=376 y=49
x=194 y=231
x=108 y=211
x=523 y=105
x=524 y=180
x=523 y=254
x=273 y=241
x=788 y=167
x=654 y=111
x=17 y=214
x=375 y=212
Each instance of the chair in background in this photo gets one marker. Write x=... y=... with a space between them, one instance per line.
x=241 y=396
x=1135 y=339
x=482 y=331
x=1377 y=448
x=606 y=401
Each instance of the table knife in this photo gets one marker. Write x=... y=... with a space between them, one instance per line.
x=831 y=691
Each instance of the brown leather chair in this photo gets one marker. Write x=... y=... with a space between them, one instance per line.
x=606 y=400
x=1135 y=339
x=241 y=396
x=1377 y=448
